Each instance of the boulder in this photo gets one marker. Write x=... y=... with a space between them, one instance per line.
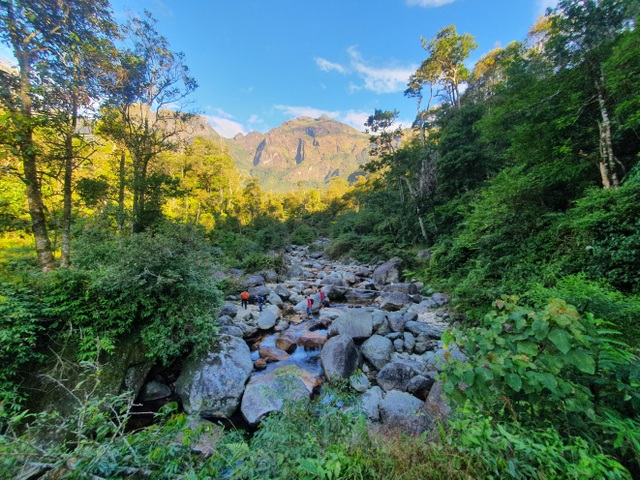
x=232 y=330
x=420 y=385
x=224 y=321
x=396 y=375
x=357 y=323
x=269 y=275
x=440 y=299
x=408 y=288
x=287 y=342
x=359 y=382
x=371 y=403
x=333 y=278
x=228 y=309
x=295 y=271
x=153 y=391
x=273 y=354
x=212 y=384
x=396 y=321
x=334 y=292
x=282 y=292
x=340 y=357
x=266 y=393
x=393 y=301
x=389 y=272
x=275 y=299
x=424 y=330
x=204 y=438
x=312 y=340
x=252 y=281
x=401 y=411
x=259 y=291
x=409 y=342
x=436 y=405
x=377 y=350
x=424 y=255
x=268 y=317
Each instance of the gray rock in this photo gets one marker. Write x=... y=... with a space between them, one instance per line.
x=269 y=275
x=154 y=391
x=398 y=345
x=408 y=288
x=420 y=385
x=437 y=405
x=424 y=255
x=371 y=403
x=334 y=292
x=252 y=281
x=359 y=382
x=274 y=299
x=224 y=320
x=213 y=384
x=282 y=292
x=247 y=330
x=266 y=393
x=441 y=357
x=409 y=342
x=396 y=321
x=340 y=357
x=419 y=328
x=357 y=323
x=389 y=272
x=396 y=375
x=378 y=317
x=268 y=317
x=393 y=301
x=231 y=330
x=410 y=317
x=440 y=299
x=402 y=411
x=295 y=271
x=377 y=350
x=260 y=291
x=228 y=309
x=384 y=329
x=333 y=278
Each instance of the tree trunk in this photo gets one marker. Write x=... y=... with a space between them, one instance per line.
x=608 y=162
x=29 y=162
x=65 y=257
x=121 y=180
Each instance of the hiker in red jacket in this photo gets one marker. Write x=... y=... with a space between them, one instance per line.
x=309 y=303
x=244 y=296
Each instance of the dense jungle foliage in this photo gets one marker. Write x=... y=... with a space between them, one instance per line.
x=520 y=177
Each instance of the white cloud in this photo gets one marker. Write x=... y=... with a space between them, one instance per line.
x=428 y=3
x=380 y=79
x=353 y=118
x=327 y=66
x=225 y=126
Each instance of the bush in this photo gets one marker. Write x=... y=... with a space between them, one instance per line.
x=304 y=235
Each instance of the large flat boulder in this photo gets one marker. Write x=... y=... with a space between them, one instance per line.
x=267 y=393
x=403 y=412
x=377 y=350
x=340 y=357
x=389 y=272
x=357 y=323
x=212 y=384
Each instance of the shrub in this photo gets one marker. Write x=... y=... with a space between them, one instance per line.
x=304 y=235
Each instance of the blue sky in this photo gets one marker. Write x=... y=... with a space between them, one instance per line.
x=261 y=62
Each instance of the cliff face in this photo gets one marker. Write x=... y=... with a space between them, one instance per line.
x=303 y=151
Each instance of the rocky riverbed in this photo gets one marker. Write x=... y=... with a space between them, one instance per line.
x=373 y=330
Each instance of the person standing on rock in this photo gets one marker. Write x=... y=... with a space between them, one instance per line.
x=244 y=296
x=260 y=302
x=309 y=304
x=323 y=298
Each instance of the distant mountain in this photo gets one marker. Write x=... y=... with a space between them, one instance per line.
x=303 y=151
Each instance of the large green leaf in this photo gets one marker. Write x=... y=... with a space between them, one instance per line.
x=561 y=339
x=540 y=328
x=582 y=360
x=528 y=348
x=514 y=381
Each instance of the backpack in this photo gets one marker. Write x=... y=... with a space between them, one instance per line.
x=311 y=301
x=244 y=295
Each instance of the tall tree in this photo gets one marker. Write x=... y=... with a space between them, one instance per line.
x=149 y=91
x=445 y=64
x=582 y=35
x=39 y=32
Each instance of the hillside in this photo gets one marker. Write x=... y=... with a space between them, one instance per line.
x=303 y=151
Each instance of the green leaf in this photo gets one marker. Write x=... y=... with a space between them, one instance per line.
x=468 y=377
x=561 y=339
x=528 y=348
x=582 y=360
x=540 y=328
x=514 y=381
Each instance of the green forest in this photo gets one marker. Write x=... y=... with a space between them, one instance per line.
x=520 y=178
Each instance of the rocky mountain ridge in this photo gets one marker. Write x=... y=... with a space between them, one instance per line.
x=302 y=152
